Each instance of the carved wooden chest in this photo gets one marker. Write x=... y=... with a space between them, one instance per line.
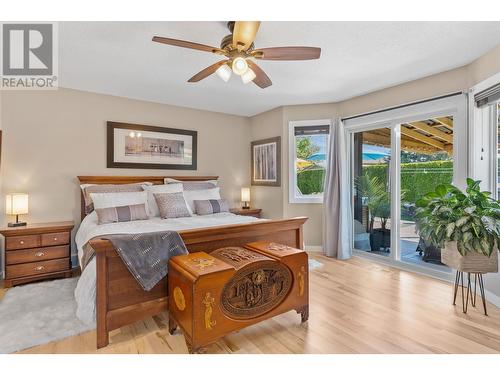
x=211 y=295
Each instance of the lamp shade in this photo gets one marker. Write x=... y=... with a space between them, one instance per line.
x=16 y=204
x=245 y=194
x=224 y=72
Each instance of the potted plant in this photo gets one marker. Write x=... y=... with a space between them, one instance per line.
x=377 y=200
x=465 y=225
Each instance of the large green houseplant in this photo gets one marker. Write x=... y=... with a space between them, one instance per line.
x=465 y=225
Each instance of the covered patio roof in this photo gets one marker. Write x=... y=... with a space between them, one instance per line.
x=427 y=136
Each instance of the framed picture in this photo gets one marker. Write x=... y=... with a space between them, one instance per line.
x=150 y=147
x=266 y=162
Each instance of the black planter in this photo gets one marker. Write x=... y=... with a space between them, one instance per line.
x=429 y=253
x=380 y=240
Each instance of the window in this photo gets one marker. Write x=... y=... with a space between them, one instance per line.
x=308 y=149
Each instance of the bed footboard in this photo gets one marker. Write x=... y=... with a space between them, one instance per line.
x=120 y=299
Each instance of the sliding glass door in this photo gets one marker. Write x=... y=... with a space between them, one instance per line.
x=426 y=161
x=372 y=190
x=396 y=157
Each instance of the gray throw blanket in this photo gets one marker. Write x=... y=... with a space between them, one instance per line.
x=146 y=255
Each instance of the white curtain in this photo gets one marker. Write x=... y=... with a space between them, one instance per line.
x=337 y=212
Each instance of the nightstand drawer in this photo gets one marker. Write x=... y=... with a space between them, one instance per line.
x=22 y=242
x=52 y=239
x=36 y=255
x=37 y=268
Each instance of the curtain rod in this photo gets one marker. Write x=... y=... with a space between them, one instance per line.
x=403 y=105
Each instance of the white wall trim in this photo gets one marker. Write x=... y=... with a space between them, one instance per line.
x=314 y=248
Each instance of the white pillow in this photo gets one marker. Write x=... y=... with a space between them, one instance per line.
x=200 y=195
x=154 y=211
x=105 y=200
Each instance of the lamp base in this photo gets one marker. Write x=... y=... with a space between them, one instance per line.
x=18 y=224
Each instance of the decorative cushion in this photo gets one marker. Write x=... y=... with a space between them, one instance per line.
x=109 y=188
x=105 y=200
x=172 y=205
x=193 y=185
x=121 y=214
x=211 y=206
x=191 y=195
x=154 y=211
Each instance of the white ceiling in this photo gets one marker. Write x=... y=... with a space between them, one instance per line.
x=119 y=58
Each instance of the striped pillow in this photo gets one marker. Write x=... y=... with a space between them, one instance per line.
x=172 y=205
x=211 y=206
x=121 y=214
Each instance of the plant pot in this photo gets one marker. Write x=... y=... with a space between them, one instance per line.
x=380 y=238
x=471 y=262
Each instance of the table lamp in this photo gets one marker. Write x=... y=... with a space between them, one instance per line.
x=245 y=197
x=16 y=204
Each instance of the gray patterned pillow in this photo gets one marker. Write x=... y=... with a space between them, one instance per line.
x=211 y=206
x=121 y=214
x=172 y=205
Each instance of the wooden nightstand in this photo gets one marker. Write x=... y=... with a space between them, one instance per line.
x=37 y=252
x=255 y=212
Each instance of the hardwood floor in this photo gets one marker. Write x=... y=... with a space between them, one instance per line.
x=356 y=307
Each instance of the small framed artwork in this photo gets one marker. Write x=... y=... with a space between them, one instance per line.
x=150 y=147
x=266 y=162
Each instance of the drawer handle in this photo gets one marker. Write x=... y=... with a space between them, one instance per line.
x=40 y=254
x=39 y=268
x=55 y=238
x=21 y=242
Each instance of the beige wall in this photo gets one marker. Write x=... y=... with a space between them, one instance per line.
x=268 y=198
x=51 y=137
x=484 y=67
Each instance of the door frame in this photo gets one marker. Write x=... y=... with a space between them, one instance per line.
x=455 y=106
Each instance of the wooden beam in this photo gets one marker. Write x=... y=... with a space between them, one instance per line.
x=432 y=131
x=445 y=121
x=406 y=145
x=422 y=138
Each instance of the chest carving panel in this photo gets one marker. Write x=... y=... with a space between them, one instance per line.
x=256 y=289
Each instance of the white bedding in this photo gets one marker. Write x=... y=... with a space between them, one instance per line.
x=85 y=291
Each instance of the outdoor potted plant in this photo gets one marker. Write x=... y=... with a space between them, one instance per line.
x=377 y=200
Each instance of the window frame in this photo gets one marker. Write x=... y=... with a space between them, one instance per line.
x=293 y=197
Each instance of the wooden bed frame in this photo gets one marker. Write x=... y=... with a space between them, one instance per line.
x=121 y=301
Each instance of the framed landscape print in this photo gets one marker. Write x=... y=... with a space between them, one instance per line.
x=266 y=162
x=150 y=147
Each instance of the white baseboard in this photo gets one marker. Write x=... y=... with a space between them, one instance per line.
x=492 y=298
x=314 y=248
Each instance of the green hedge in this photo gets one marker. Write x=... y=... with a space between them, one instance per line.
x=417 y=179
x=311 y=181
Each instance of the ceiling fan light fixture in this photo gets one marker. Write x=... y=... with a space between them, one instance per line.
x=248 y=76
x=240 y=66
x=224 y=72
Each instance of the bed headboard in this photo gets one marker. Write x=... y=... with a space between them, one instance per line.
x=155 y=180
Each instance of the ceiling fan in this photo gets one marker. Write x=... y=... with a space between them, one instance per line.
x=239 y=50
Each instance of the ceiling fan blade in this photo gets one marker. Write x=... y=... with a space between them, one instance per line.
x=244 y=34
x=287 y=53
x=261 y=79
x=207 y=71
x=186 y=44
